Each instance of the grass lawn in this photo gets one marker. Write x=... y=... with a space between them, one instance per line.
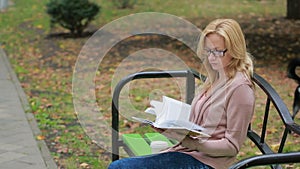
x=44 y=59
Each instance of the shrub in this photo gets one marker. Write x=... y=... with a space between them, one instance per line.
x=74 y=15
x=122 y=4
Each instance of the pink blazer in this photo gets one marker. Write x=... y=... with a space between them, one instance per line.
x=225 y=113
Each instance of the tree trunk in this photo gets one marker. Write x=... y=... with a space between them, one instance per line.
x=293 y=9
x=3 y=4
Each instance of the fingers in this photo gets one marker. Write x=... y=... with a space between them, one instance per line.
x=174 y=135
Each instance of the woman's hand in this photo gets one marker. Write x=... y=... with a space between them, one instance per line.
x=179 y=135
x=176 y=134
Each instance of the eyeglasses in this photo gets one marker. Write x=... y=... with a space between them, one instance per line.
x=216 y=53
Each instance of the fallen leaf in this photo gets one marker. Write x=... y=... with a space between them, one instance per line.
x=275 y=146
x=84 y=165
x=40 y=137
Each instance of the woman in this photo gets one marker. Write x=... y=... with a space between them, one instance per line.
x=224 y=106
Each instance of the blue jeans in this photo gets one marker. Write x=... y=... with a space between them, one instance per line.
x=169 y=160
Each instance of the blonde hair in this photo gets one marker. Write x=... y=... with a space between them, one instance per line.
x=235 y=44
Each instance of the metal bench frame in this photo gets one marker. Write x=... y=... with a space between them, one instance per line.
x=268 y=158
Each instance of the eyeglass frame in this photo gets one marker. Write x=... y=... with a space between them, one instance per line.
x=212 y=51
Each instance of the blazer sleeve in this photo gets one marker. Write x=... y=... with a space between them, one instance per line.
x=239 y=112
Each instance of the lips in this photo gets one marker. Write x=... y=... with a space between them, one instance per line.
x=213 y=63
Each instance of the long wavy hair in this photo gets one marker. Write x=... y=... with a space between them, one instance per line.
x=235 y=44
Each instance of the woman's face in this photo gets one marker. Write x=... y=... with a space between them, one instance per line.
x=216 y=52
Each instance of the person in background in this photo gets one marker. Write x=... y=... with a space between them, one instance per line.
x=224 y=106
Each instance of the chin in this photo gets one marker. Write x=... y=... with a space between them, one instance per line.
x=215 y=68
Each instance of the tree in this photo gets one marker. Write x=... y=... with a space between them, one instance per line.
x=293 y=9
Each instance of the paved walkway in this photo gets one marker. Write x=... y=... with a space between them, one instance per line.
x=18 y=146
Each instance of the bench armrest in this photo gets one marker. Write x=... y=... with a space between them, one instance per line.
x=294 y=127
x=268 y=159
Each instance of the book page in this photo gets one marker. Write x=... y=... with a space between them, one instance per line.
x=173 y=114
x=173 y=110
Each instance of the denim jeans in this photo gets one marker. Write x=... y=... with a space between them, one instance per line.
x=169 y=160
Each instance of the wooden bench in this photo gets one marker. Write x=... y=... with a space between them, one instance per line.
x=136 y=144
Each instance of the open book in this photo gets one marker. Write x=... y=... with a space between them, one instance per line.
x=172 y=114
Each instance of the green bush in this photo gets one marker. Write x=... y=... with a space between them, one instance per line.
x=122 y=4
x=74 y=15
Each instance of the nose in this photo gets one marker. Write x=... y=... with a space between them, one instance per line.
x=211 y=56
